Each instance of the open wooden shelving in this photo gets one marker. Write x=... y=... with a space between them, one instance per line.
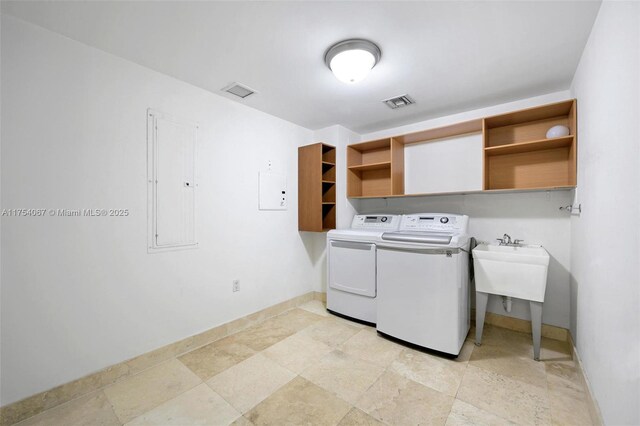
x=538 y=145
x=516 y=154
x=316 y=187
x=375 y=168
x=371 y=166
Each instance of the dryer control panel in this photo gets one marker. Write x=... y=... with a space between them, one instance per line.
x=376 y=221
x=435 y=222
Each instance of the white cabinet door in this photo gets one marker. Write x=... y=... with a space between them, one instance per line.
x=445 y=165
x=173 y=186
x=352 y=267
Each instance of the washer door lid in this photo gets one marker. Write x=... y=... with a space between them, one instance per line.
x=422 y=238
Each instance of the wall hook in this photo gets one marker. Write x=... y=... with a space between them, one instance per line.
x=571 y=208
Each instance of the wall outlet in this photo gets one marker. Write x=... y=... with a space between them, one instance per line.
x=236 y=285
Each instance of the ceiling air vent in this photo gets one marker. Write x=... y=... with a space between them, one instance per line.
x=240 y=90
x=399 y=101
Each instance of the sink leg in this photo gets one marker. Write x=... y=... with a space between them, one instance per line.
x=481 y=308
x=536 y=327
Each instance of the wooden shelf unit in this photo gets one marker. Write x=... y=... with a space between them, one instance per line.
x=372 y=166
x=316 y=187
x=375 y=168
x=517 y=154
x=538 y=145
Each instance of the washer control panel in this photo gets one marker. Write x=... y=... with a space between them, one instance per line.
x=435 y=222
x=376 y=221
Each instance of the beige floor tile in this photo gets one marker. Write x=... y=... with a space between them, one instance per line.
x=357 y=417
x=275 y=329
x=463 y=414
x=566 y=410
x=216 y=357
x=522 y=344
x=263 y=335
x=559 y=386
x=248 y=383
x=554 y=350
x=518 y=343
x=567 y=396
x=368 y=345
x=91 y=410
x=315 y=307
x=297 y=319
x=441 y=374
x=508 y=398
x=198 y=406
x=299 y=402
x=242 y=421
x=567 y=370
x=510 y=364
x=150 y=388
x=297 y=352
x=346 y=376
x=331 y=331
x=341 y=363
x=397 y=400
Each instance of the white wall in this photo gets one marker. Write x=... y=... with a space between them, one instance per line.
x=80 y=294
x=533 y=217
x=605 y=249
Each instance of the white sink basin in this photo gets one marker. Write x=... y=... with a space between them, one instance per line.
x=519 y=272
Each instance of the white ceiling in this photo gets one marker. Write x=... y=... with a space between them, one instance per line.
x=449 y=56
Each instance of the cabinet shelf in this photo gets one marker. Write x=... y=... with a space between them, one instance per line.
x=375 y=168
x=537 y=145
x=372 y=166
x=316 y=187
x=328 y=172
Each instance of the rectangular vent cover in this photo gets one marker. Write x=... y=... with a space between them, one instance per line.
x=240 y=90
x=399 y=101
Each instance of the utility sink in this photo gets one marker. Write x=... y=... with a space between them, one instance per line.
x=515 y=271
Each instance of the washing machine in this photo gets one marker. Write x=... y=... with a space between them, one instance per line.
x=423 y=281
x=351 y=276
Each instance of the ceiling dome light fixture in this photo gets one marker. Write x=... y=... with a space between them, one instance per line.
x=351 y=60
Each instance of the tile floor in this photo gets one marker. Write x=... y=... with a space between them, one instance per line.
x=308 y=367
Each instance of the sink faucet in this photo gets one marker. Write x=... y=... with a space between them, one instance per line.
x=506 y=241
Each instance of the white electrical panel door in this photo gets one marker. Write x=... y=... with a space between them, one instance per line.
x=272 y=191
x=172 y=183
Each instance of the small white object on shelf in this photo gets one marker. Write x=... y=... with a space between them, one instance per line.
x=557 y=132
